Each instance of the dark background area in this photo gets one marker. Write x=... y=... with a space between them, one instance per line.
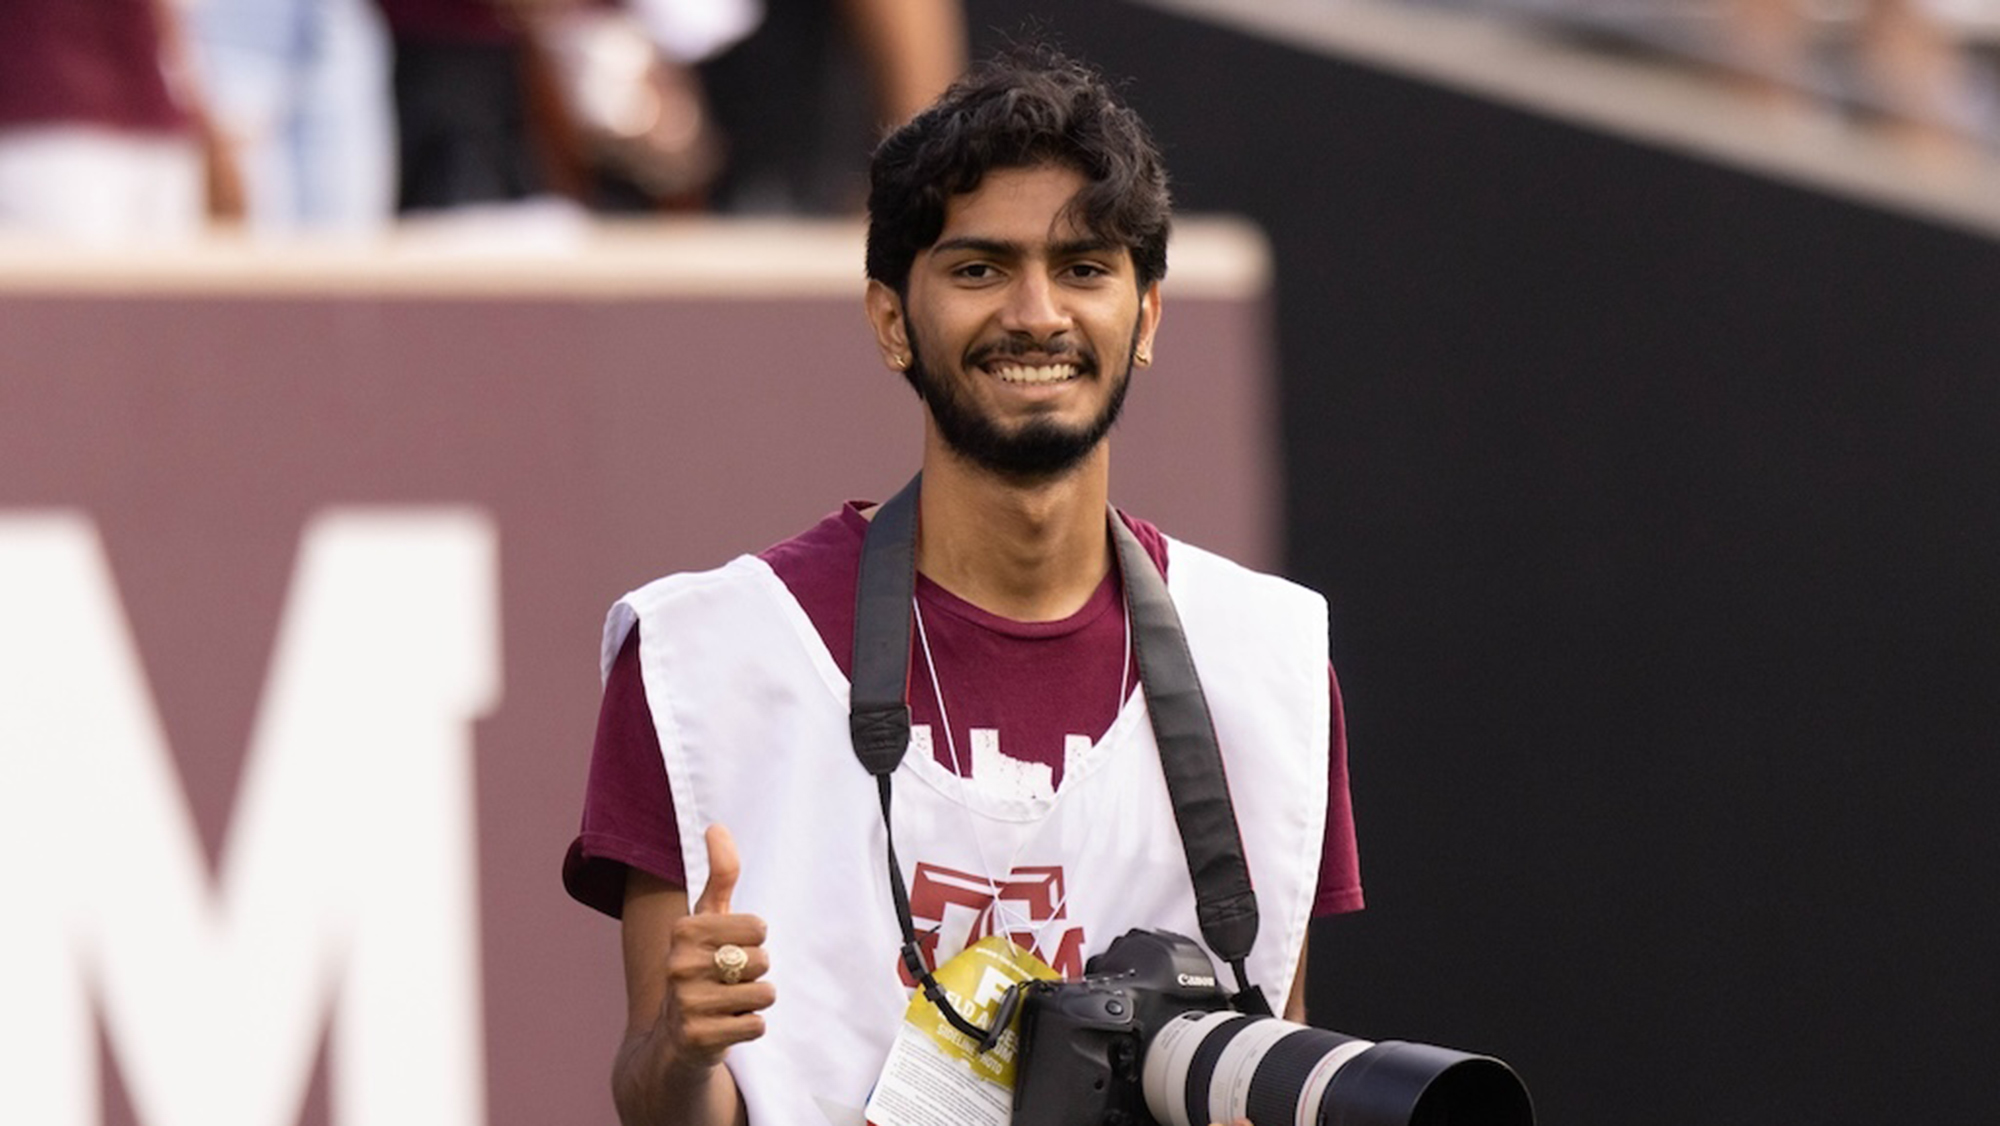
x=1654 y=502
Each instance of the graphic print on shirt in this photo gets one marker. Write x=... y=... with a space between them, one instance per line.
x=953 y=910
x=997 y=773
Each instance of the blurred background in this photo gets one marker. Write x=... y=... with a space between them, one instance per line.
x=1616 y=367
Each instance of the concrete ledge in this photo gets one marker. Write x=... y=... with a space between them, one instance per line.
x=541 y=252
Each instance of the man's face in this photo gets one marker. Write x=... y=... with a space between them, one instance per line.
x=1020 y=328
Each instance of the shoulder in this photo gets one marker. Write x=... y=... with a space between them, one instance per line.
x=817 y=568
x=831 y=545
x=740 y=574
x=1194 y=564
x=679 y=595
x=1223 y=602
x=1195 y=570
x=1149 y=537
x=828 y=554
x=821 y=567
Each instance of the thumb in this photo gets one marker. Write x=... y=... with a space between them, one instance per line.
x=723 y=868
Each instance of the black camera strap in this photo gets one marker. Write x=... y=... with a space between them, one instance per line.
x=879 y=724
x=1192 y=762
x=878 y=717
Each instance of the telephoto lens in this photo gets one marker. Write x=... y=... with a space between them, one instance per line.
x=1150 y=1038
x=1205 y=1067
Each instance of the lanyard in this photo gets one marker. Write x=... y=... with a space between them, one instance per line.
x=879 y=723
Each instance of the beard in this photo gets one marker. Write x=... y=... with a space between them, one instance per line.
x=1038 y=449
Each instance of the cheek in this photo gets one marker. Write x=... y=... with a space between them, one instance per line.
x=1120 y=331
x=947 y=332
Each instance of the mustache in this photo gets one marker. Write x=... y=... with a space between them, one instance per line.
x=1060 y=349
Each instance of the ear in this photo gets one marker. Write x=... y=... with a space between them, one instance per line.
x=892 y=334
x=1149 y=321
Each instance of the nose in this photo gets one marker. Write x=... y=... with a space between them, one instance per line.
x=1034 y=307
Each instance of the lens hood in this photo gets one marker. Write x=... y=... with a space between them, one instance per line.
x=1397 y=1083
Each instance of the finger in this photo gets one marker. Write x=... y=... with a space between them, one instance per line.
x=713 y=1017
x=710 y=1000
x=696 y=937
x=756 y=963
x=723 y=868
x=696 y=954
x=712 y=1036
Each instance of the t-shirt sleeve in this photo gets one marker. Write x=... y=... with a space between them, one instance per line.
x=1339 y=863
x=628 y=806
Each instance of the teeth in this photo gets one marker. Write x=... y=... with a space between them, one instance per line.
x=1021 y=373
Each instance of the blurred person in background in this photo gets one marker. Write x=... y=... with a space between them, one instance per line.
x=851 y=71
x=1909 y=69
x=104 y=137
x=301 y=90
x=487 y=96
x=461 y=104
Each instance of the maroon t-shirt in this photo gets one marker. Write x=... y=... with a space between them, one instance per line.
x=1029 y=686
x=94 y=62
x=446 y=21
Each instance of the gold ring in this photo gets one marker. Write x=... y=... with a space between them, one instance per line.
x=730 y=961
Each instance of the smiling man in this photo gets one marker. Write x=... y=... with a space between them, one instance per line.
x=1017 y=241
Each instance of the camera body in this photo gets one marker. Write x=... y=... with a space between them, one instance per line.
x=1149 y=1037
x=1083 y=1043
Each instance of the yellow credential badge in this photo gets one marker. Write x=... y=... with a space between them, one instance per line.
x=936 y=1073
x=974 y=982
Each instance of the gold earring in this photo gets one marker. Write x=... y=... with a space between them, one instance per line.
x=900 y=362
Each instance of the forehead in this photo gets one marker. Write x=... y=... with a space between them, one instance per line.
x=1017 y=205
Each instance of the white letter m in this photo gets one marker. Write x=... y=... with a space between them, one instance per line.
x=346 y=883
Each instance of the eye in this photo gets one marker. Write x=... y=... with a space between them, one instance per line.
x=975 y=272
x=1087 y=271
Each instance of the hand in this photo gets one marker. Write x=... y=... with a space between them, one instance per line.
x=701 y=1016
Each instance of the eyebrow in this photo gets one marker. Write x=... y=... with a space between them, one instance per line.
x=1068 y=248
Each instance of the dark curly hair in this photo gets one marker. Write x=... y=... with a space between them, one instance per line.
x=1031 y=105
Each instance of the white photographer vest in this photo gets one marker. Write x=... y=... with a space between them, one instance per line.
x=752 y=718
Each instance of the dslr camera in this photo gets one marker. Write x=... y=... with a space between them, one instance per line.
x=1148 y=1037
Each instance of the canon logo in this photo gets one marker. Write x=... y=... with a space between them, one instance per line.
x=1196 y=981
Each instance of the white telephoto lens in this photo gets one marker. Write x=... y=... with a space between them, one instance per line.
x=1164 y=1078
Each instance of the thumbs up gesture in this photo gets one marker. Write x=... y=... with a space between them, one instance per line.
x=716 y=964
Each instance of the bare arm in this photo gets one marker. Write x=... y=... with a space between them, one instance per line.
x=223 y=178
x=1295 y=1005
x=913 y=49
x=681 y=1019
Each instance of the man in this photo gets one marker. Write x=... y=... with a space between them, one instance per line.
x=1017 y=238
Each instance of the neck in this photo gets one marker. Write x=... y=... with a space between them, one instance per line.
x=1033 y=552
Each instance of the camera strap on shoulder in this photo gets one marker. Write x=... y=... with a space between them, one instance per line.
x=1192 y=762
x=879 y=725
x=878 y=717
